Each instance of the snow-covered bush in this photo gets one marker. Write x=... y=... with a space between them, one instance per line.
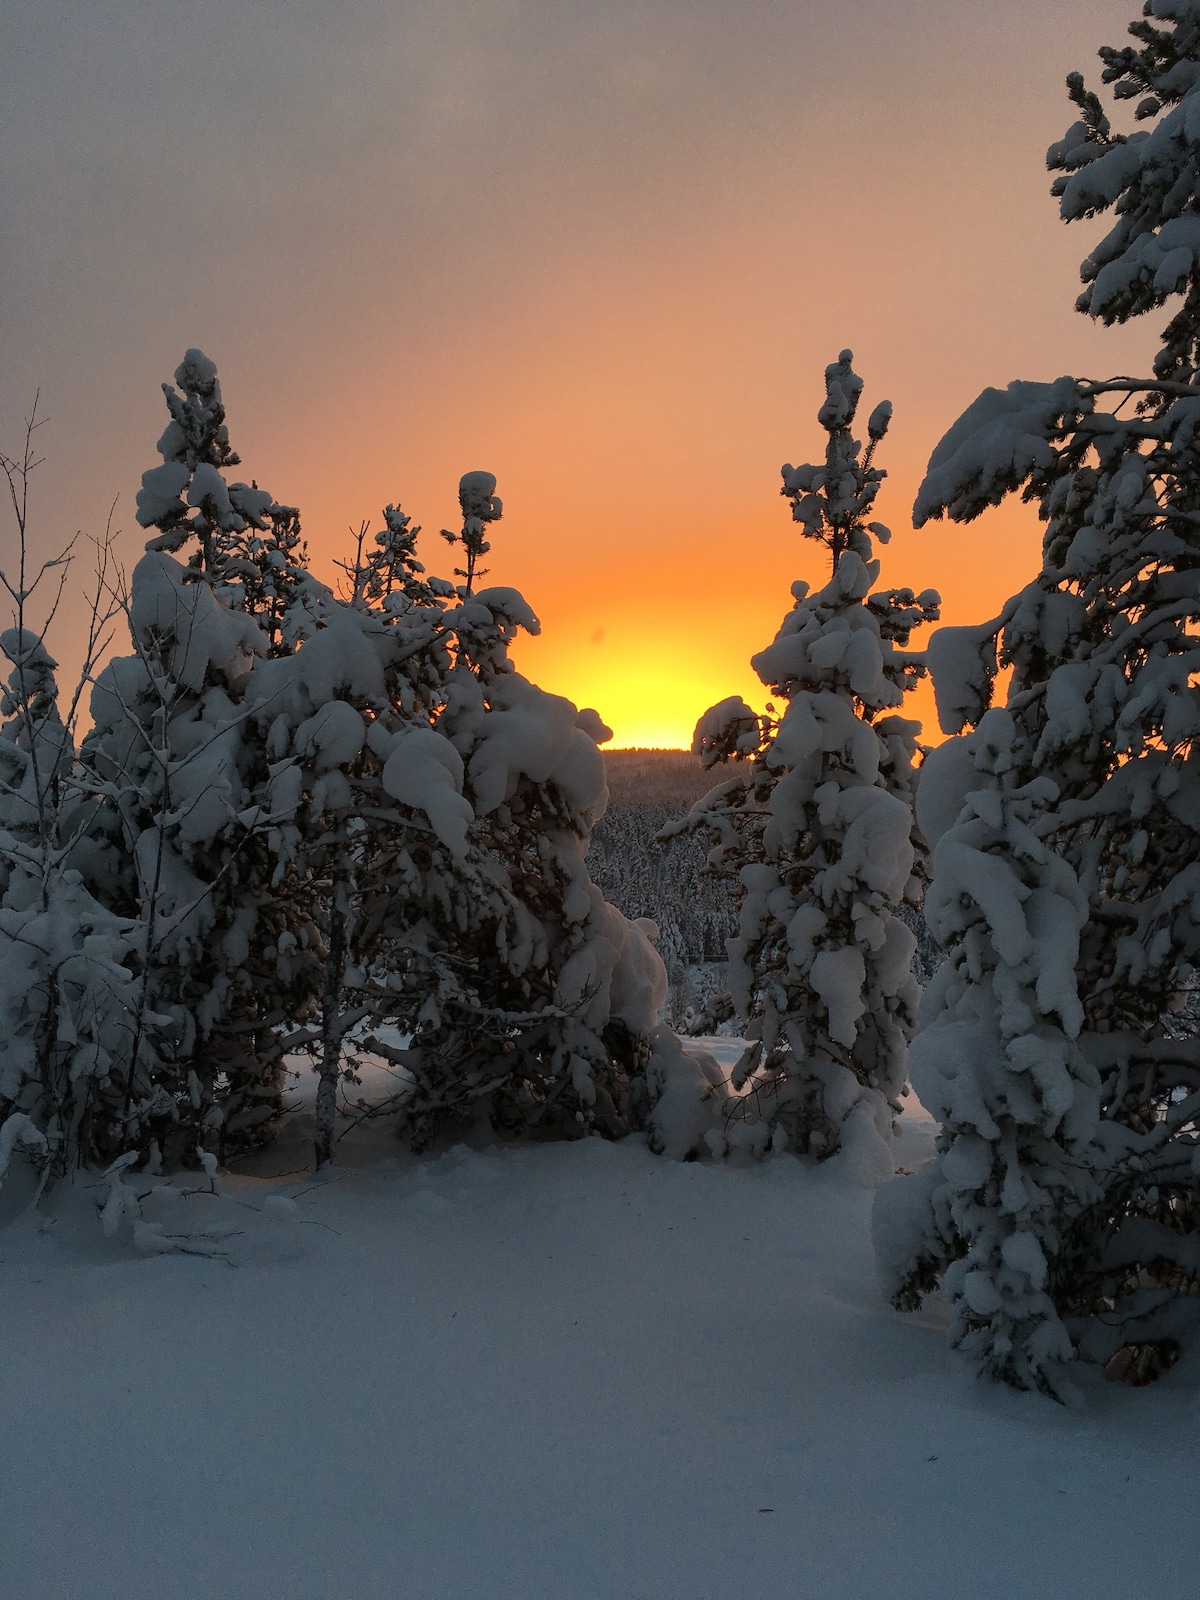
x=1062 y=1210
x=817 y=829
x=68 y=987
x=68 y=990
x=436 y=807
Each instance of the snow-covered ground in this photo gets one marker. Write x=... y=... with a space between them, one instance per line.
x=550 y=1373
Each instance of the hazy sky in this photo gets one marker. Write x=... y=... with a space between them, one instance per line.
x=603 y=250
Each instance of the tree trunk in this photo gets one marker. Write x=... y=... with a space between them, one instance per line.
x=331 y=1018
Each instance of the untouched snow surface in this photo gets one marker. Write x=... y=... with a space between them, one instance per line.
x=569 y=1372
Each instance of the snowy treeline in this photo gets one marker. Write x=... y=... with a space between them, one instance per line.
x=303 y=820
x=299 y=817
x=1062 y=1212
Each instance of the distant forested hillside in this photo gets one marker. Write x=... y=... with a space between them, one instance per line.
x=695 y=913
x=666 y=882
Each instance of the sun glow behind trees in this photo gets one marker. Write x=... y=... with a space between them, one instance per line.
x=586 y=255
x=655 y=663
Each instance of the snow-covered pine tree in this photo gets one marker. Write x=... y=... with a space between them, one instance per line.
x=313 y=709
x=818 y=829
x=440 y=807
x=182 y=831
x=416 y=914
x=534 y=999
x=68 y=992
x=1062 y=1210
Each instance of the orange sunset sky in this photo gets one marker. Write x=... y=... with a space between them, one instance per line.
x=603 y=250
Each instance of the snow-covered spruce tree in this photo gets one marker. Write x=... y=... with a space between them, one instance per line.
x=313 y=709
x=1062 y=1212
x=818 y=829
x=530 y=1000
x=439 y=806
x=182 y=830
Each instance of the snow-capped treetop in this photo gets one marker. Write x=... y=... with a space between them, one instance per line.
x=478 y=498
x=195 y=450
x=250 y=546
x=1153 y=252
x=480 y=505
x=196 y=433
x=390 y=575
x=830 y=500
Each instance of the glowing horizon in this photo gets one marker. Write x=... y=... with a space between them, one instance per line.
x=601 y=256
